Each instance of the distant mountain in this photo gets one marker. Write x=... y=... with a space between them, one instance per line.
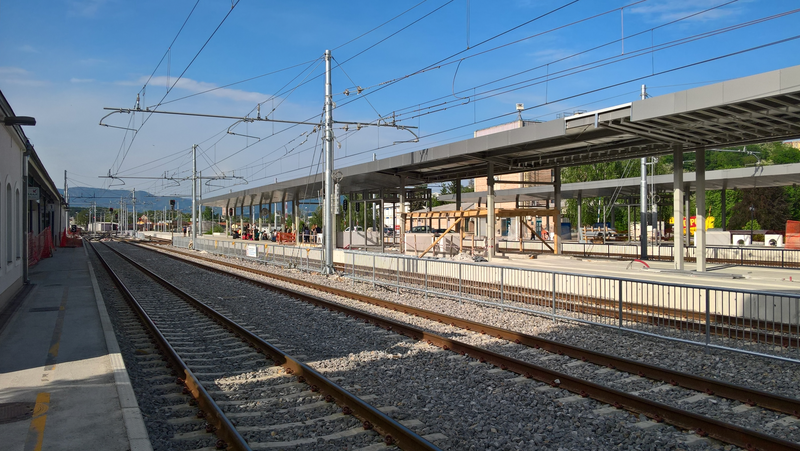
x=80 y=196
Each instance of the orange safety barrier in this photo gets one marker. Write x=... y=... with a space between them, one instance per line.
x=792 y=235
x=40 y=246
x=70 y=239
x=285 y=237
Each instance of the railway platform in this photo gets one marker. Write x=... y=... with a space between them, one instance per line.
x=63 y=384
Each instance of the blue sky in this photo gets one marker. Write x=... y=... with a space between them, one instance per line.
x=63 y=61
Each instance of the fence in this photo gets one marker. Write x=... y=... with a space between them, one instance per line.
x=741 y=255
x=761 y=323
x=40 y=246
x=741 y=320
x=305 y=258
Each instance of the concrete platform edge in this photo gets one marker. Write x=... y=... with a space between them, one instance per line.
x=138 y=439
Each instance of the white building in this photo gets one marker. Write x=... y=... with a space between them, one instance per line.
x=26 y=205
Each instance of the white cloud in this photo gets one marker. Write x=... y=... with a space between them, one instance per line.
x=19 y=76
x=91 y=61
x=551 y=54
x=667 y=10
x=193 y=87
x=8 y=70
x=85 y=8
x=81 y=80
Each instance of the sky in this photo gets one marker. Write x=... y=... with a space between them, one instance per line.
x=447 y=67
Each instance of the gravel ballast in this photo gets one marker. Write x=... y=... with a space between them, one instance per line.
x=455 y=396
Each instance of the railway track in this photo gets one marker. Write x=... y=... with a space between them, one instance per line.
x=250 y=393
x=680 y=319
x=718 y=325
x=780 y=409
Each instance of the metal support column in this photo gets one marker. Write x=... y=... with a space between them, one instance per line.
x=200 y=204
x=700 y=231
x=298 y=232
x=581 y=238
x=135 y=219
x=687 y=233
x=643 y=210
x=194 y=193
x=724 y=206
x=490 y=219
x=328 y=225
x=457 y=186
x=25 y=213
x=677 y=205
x=402 y=215
x=559 y=242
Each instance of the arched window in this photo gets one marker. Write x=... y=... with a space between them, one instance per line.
x=18 y=235
x=9 y=224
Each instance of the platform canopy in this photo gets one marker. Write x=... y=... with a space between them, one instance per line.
x=755 y=109
x=740 y=178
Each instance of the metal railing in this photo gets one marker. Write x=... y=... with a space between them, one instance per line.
x=741 y=255
x=305 y=258
x=760 y=323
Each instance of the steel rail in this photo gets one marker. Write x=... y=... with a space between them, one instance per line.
x=752 y=397
x=224 y=429
x=393 y=432
x=702 y=425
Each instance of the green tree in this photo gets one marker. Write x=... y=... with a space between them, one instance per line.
x=771 y=209
x=450 y=187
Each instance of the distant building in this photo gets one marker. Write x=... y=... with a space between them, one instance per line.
x=795 y=144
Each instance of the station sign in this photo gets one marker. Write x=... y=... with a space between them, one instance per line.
x=252 y=250
x=33 y=193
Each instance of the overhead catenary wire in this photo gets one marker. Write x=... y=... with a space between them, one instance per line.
x=613 y=85
x=379 y=116
x=346 y=43
x=586 y=66
x=194 y=58
x=373 y=149
x=631 y=54
x=573 y=55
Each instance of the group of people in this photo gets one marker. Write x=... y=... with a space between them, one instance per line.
x=308 y=233
x=251 y=232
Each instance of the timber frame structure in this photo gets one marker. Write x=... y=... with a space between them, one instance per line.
x=460 y=216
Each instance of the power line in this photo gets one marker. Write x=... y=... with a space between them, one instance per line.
x=144 y=121
x=631 y=80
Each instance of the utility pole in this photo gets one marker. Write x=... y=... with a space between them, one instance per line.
x=135 y=219
x=66 y=201
x=200 y=203
x=328 y=225
x=194 y=192
x=643 y=200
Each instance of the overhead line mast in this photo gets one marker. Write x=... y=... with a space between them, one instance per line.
x=328 y=216
x=328 y=225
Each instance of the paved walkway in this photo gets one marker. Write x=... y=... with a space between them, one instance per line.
x=56 y=359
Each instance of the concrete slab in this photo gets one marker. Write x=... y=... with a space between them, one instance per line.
x=55 y=353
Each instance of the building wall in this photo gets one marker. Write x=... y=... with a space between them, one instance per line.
x=12 y=191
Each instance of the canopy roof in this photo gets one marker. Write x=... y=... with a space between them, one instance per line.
x=754 y=109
